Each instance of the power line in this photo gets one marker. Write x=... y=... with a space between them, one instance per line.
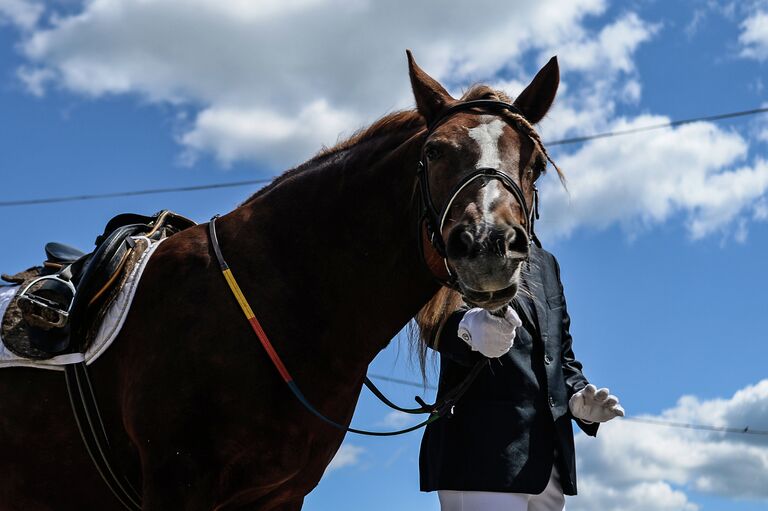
x=149 y=191
x=231 y=184
x=653 y=422
x=651 y=127
x=703 y=427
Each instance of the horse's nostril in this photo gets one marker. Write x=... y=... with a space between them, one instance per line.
x=461 y=243
x=467 y=240
x=516 y=240
x=512 y=240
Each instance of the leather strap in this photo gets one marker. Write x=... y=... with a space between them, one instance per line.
x=94 y=435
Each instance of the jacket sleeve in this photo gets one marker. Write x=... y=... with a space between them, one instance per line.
x=572 y=368
x=448 y=343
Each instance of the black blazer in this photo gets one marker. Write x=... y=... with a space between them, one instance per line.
x=506 y=429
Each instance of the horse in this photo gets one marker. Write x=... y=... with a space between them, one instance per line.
x=335 y=256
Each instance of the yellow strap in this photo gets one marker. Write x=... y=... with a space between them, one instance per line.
x=238 y=294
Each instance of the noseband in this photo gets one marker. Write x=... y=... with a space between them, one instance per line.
x=434 y=218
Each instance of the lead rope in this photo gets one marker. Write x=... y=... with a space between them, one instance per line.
x=435 y=411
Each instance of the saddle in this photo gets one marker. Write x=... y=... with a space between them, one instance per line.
x=59 y=301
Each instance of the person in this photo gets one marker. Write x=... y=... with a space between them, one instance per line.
x=509 y=443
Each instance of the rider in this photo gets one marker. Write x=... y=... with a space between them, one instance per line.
x=509 y=444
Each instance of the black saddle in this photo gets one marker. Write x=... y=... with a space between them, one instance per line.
x=61 y=253
x=58 y=305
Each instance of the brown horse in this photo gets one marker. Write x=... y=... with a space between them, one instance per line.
x=328 y=256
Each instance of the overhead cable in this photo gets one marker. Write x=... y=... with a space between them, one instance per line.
x=149 y=191
x=653 y=422
x=231 y=184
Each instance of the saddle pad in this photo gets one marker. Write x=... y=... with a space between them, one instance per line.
x=107 y=331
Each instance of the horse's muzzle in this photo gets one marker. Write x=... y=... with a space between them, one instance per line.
x=487 y=261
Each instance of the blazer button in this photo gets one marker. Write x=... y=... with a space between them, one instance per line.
x=551 y=401
x=548 y=359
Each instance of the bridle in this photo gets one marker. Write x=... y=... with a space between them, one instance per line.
x=433 y=219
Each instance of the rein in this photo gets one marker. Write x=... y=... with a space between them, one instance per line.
x=440 y=409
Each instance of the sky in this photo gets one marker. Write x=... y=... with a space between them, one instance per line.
x=661 y=236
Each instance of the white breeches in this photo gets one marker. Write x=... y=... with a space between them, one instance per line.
x=551 y=499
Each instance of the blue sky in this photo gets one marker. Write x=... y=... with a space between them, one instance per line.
x=662 y=240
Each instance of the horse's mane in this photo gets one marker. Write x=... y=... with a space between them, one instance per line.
x=396 y=122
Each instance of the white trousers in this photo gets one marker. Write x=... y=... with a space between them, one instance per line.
x=551 y=499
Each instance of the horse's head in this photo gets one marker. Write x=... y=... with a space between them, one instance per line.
x=479 y=165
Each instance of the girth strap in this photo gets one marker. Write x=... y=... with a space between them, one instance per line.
x=94 y=435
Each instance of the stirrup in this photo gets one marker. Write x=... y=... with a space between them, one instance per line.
x=46 y=312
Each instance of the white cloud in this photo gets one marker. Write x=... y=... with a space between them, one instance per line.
x=760 y=211
x=695 y=170
x=754 y=36
x=272 y=82
x=631 y=464
x=596 y=495
x=34 y=79
x=239 y=62
x=347 y=455
x=264 y=135
x=21 y=13
x=697 y=20
x=612 y=50
x=606 y=60
x=395 y=419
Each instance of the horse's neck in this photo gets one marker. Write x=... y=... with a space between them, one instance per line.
x=334 y=248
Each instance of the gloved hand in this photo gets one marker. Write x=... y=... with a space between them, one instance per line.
x=592 y=405
x=489 y=334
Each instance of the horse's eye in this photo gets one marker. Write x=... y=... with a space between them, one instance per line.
x=538 y=167
x=432 y=153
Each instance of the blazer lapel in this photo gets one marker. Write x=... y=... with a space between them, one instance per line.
x=535 y=283
x=524 y=307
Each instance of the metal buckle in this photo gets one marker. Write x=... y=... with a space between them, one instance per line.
x=60 y=314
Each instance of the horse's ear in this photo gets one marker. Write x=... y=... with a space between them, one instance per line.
x=431 y=97
x=536 y=99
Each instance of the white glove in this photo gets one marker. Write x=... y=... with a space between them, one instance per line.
x=592 y=405
x=490 y=335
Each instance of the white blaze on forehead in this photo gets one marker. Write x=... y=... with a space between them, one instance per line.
x=488 y=136
x=490 y=194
